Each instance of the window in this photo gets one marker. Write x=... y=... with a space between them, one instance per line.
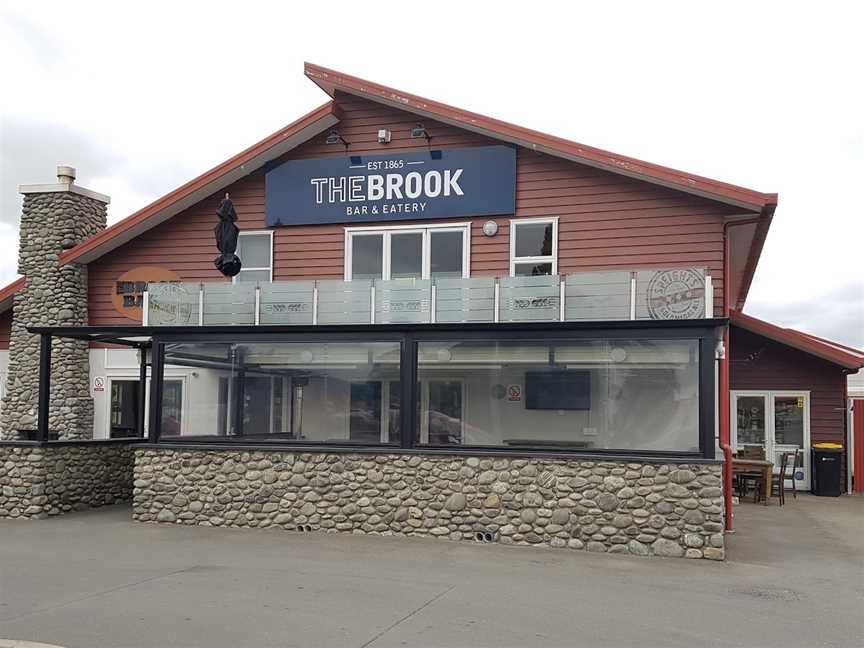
x=630 y=394
x=316 y=392
x=533 y=246
x=255 y=250
x=407 y=252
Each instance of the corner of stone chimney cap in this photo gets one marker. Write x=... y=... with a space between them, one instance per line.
x=65 y=174
x=65 y=184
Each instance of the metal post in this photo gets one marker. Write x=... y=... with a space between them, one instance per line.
x=44 y=386
x=632 y=296
x=200 y=304
x=433 y=303
x=142 y=390
x=496 y=317
x=709 y=296
x=561 y=296
x=315 y=303
x=408 y=393
x=257 y=304
x=157 y=359
x=239 y=391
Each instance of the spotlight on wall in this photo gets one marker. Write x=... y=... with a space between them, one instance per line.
x=333 y=137
x=384 y=136
x=420 y=131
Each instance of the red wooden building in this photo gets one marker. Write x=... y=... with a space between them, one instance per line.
x=604 y=238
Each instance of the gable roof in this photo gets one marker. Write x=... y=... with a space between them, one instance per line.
x=206 y=184
x=839 y=354
x=327 y=115
x=331 y=81
x=7 y=293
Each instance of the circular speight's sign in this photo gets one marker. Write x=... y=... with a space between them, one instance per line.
x=676 y=294
x=128 y=293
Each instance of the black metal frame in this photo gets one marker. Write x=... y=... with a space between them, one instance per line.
x=408 y=335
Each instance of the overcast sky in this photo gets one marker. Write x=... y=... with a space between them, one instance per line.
x=143 y=97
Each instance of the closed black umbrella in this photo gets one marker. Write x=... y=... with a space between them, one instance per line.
x=228 y=263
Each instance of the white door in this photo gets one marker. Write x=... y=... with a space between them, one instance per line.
x=778 y=421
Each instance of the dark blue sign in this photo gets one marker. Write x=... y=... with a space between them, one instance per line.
x=448 y=183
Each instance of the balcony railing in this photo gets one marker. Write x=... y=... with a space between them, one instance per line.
x=677 y=293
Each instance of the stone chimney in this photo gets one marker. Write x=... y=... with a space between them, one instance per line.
x=55 y=217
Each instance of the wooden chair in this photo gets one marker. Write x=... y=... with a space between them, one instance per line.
x=788 y=461
x=755 y=479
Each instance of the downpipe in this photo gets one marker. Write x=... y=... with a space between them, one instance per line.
x=725 y=435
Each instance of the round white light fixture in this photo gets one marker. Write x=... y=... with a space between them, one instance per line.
x=490 y=228
x=444 y=355
x=306 y=355
x=618 y=354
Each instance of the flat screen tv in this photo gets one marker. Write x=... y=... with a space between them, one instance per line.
x=558 y=390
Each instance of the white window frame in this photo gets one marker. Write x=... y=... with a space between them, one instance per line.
x=244 y=268
x=425 y=229
x=553 y=259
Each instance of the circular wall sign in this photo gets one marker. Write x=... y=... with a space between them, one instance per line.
x=128 y=292
x=676 y=294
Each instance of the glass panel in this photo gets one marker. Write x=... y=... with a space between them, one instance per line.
x=323 y=404
x=228 y=304
x=394 y=420
x=256 y=404
x=597 y=296
x=172 y=408
x=465 y=300
x=124 y=409
x=676 y=293
x=588 y=394
x=446 y=253
x=532 y=269
x=365 y=423
x=530 y=299
x=278 y=403
x=173 y=304
x=789 y=420
x=751 y=420
x=367 y=256
x=252 y=275
x=406 y=255
x=286 y=302
x=345 y=302
x=533 y=239
x=445 y=412
x=254 y=250
x=403 y=301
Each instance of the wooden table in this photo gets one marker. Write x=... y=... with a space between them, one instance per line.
x=755 y=465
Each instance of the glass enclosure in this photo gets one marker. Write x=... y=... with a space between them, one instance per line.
x=633 y=394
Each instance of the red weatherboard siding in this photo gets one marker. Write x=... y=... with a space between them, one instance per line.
x=760 y=363
x=5 y=328
x=606 y=221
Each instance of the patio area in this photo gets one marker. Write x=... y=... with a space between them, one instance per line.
x=95 y=578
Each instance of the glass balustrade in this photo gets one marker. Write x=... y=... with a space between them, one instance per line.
x=644 y=294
